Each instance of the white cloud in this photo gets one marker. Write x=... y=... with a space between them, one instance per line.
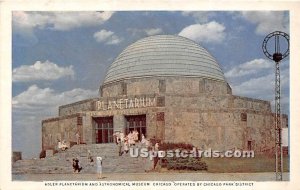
x=41 y=71
x=250 y=67
x=212 y=32
x=200 y=16
x=35 y=97
x=256 y=86
x=107 y=37
x=263 y=86
x=260 y=84
x=153 y=31
x=147 y=31
x=267 y=21
x=61 y=21
x=31 y=107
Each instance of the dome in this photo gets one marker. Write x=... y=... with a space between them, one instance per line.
x=164 y=55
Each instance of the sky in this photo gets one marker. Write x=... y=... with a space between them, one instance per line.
x=62 y=57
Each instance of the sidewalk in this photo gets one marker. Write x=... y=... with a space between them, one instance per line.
x=152 y=177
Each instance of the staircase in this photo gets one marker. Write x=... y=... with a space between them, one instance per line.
x=62 y=161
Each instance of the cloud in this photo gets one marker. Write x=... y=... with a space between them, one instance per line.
x=108 y=37
x=31 y=107
x=153 y=31
x=35 y=97
x=267 y=21
x=212 y=32
x=142 y=32
x=251 y=88
x=200 y=16
x=41 y=71
x=263 y=88
x=60 y=21
x=256 y=79
x=250 y=67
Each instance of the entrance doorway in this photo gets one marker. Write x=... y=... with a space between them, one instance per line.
x=104 y=129
x=136 y=122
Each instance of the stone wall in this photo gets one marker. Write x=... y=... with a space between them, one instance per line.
x=120 y=121
x=169 y=85
x=219 y=122
x=252 y=104
x=186 y=86
x=81 y=106
x=16 y=156
x=199 y=111
x=137 y=87
x=220 y=130
x=213 y=87
x=112 y=90
x=61 y=128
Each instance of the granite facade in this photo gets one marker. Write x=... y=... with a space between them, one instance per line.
x=199 y=111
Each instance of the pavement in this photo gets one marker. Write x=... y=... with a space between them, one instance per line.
x=152 y=176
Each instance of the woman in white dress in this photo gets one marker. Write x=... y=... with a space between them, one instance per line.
x=99 y=167
x=143 y=141
x=135 y=136
x=130 y=138
x=122 y=137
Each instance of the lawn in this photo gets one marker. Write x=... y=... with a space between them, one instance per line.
x=260 y=163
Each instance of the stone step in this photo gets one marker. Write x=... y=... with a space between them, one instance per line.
x=62 y=161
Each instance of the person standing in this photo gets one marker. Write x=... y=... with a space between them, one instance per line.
x=136 y=136
x=90 y=158
x=120 y=147
x=116 y=136
x=126 y=147
x=122 y=137
x=131 y=139
x=99 y=167
x=59 y=145
x=143 y=141
x=77 y=137
x=156 y=146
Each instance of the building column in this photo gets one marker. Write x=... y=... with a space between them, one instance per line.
x=119 y=123
x=87 y=131
x=160 y=125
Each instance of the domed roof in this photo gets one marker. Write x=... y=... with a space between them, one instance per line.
x=164 y=55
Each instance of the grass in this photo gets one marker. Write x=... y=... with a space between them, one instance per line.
x=260 y=163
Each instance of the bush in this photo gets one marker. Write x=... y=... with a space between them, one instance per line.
x=189 y=163
x=42 y=154
x=175 y=163
x=173 y=146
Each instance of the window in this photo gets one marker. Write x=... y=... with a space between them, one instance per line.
x=136 y=122
x=79 y=120
x=104 y=129
x=249 y=145
x=243 y=116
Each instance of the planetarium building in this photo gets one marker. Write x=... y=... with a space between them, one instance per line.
x=172 y=89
